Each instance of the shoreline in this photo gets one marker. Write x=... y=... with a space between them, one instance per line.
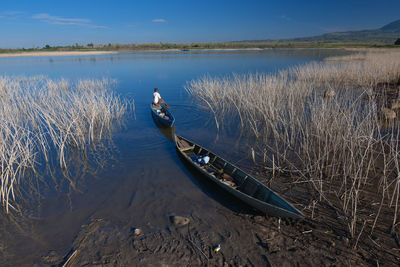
x=88 y=53
x=56 y=53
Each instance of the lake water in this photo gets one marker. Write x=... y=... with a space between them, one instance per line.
x=143 y=180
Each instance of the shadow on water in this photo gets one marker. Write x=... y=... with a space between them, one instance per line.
x=168 y=132
x=208 y=187
x=214 y=191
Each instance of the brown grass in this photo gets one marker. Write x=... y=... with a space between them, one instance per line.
x=39 y=115
x=334 y=143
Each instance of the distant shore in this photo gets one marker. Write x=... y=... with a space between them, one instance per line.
x=155 y=50
x=102 y=49
x=102 y=52
x=83 y=53
x=56 y=53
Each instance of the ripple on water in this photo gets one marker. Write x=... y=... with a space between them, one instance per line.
x=189 y=116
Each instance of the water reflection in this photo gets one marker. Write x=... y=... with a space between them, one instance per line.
x=48 y=203
x=49 y=179
x=168 y=132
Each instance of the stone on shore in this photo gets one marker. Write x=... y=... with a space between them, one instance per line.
x=180 y=220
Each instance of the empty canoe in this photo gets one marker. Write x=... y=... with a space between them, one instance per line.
x=234 y=180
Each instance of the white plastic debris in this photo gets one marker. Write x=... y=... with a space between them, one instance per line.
x=217 y=248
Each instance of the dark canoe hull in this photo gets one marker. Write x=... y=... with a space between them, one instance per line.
x=249 y=190
x=164 y=122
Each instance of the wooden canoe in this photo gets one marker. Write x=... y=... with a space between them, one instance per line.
x=235 y=181
x=162 y=115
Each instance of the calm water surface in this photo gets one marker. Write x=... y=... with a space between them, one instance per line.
x=143 y=181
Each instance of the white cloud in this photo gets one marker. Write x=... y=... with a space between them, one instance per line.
x=159 y=21
x=11 y=15
x=80 y=22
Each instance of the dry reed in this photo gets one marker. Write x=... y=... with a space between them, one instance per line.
x=39 y=116
x=335 y=143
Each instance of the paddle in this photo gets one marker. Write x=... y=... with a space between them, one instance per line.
x=166 y=105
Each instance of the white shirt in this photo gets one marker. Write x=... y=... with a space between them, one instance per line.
x=156 y=97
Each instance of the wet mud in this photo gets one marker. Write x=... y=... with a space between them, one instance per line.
x=245 y=237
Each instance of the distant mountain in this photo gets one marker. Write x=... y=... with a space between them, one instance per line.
x=394 y=26
x=387 y=34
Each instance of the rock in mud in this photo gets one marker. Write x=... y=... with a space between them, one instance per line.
x=137 y=231
x=179 y=220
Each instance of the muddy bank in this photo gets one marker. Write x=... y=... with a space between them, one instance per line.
x=107 y=237
x=245 y=240
x=245 y=237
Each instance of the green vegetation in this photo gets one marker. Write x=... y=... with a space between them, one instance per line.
x=201 y=46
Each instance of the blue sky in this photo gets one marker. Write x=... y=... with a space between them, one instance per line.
x=57 y=22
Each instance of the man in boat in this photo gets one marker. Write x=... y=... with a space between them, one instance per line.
x=157 y=100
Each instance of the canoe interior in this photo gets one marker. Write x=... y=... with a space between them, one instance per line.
x=238 y=180
x=168 y=120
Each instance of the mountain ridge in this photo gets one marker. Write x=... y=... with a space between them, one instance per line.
x=393 y=26
x=387 y=34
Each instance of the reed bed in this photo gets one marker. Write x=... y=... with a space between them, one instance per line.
x=41 y=118
x=321 y=123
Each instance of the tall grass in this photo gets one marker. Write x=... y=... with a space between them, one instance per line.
x=333 y=141
x=39 y=116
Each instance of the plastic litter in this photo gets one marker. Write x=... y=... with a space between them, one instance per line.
x=217 y=248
